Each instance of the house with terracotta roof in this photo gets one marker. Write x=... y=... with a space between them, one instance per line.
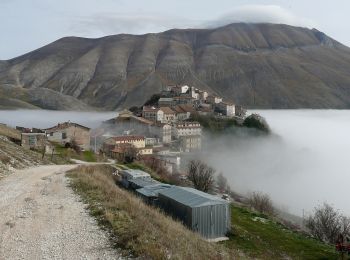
x=67 y=132
x=183 y=112
x=121 y=144
x=152 y=113
x=169 y=115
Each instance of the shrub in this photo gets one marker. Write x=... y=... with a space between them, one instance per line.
x=261 y=202
x=256 y=121
x=326 y=223
x=201 y=175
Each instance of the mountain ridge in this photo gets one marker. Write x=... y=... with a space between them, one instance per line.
x=256 y=65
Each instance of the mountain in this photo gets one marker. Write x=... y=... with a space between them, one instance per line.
x=256 y=65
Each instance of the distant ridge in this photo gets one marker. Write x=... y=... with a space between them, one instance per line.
x=256 y=65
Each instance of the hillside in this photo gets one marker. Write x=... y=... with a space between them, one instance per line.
x=257 y=65
x=13 y=156
x=253 y=235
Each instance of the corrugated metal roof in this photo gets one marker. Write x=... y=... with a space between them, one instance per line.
x=153 y=190
x=191 y=197
x=144 y=182
x=135 y=173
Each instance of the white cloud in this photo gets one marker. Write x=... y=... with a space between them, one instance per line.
x=113 y=23
x=106 y=23
x=261 y=14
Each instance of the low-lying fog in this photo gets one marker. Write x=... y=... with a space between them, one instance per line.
x=305 y=162
x=49 y=118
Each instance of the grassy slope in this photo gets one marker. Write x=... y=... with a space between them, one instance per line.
x=137 y=228
x=258 y=236
x=125 y=215
x=10 y=132
x=68 y=153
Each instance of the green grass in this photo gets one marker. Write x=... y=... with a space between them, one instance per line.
x=264 y=238
x=89 y=156
x=68 y=153
x=124 y=215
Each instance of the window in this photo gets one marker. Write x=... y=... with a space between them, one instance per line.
x=64 y=135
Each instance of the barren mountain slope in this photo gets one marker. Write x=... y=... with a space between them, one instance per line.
x=258 y=65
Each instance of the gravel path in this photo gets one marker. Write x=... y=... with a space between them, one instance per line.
x=41 y=218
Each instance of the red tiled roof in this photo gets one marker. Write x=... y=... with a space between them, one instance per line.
x=167 y=110
x=128 y=138
x=66 y=125
x=184 y=109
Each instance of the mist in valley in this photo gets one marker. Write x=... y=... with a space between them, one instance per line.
x=49 y=118
x=304 y=162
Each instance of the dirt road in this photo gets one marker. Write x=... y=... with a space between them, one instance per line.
x=41 y=218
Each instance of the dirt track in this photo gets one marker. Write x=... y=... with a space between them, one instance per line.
x=41 y=218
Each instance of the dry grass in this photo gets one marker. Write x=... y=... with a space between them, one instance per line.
x=136 y=227
x=10 y=132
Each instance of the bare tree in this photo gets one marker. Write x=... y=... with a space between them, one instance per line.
x=201 y=175
x=129 y=154
x=221 y=181
x=261 y=202
x=326 y=223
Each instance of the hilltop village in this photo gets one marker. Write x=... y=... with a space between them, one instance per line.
x=164 y=127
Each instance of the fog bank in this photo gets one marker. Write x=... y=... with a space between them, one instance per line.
x=49 y=118
x=305 y=162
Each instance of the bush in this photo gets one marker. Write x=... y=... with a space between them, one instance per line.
x=326 y=224
x=201 y=175
x=256 y=121
x=262 y=203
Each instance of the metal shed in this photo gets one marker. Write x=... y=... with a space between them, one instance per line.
x=139 y=183
x=131 y=174
x=203 y=213
x=150 y=193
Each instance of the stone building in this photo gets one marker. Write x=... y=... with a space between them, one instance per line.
x=66 y=133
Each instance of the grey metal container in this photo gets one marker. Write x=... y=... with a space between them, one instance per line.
x=203 y=213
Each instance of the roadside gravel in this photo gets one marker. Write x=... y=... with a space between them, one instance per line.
x=41 y=218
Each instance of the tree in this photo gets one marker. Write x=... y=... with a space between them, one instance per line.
x=261 y=202
x=201 y=175
x=130 y=154
x=326 y=223
x=221 y=181
x=256 y=121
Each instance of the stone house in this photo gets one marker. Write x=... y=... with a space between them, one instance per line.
x=183 y=112
x=190 y=143
x=152 y=113
x=66 y=133
x=169 y=115
x=227 y=109
x=161 y=131
x=187 y=129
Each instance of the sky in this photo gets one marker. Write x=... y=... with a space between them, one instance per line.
x=27 y=25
